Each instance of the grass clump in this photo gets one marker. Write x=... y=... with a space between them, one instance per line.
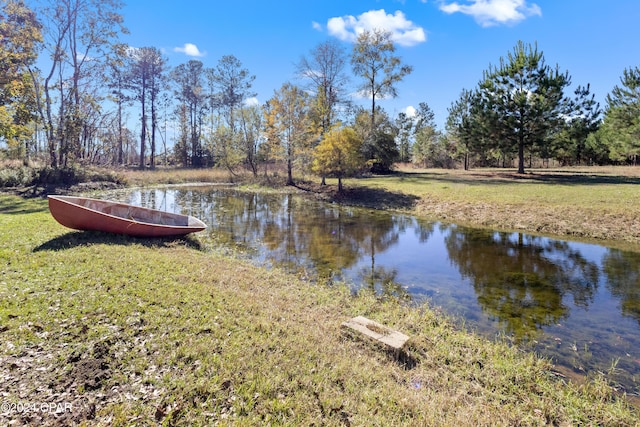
x=139 y=331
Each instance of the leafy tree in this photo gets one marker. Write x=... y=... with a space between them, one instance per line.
x=425 y=149
x=288 y=125
x=250 y=119
x=460 y=125
x=424 y=118
x=338 y=154
x=596 y=150
x=181 y=147
x=404 y=126
x=231 y=87
x=374 y=61
x=585 y=120
x=268 y=150
x=379 y=147
x=427 y=138
x=522 y=101
x=621 y=127
x=324 y=70
x=190 y=93
x=20 y=35
x=569 y=146
x=383 y=152
x=224 y=146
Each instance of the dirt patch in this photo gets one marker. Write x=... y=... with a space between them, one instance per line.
x=68 y=384
x=90 y=373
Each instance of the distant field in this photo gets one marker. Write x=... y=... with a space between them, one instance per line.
x=589 y=202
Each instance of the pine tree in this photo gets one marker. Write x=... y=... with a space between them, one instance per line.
x=621 y=127
x=373 y=59
x=522 y=102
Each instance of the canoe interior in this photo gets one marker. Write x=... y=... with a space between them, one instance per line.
x=135 y=213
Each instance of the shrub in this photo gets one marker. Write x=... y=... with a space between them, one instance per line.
x=16 y=176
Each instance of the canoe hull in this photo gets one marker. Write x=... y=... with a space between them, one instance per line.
x=83 y=213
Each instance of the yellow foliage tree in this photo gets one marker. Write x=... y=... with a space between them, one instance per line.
x=339 y=154
x=288 y=127
x=19 y=39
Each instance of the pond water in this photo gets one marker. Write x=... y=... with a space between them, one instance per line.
x=576 y=303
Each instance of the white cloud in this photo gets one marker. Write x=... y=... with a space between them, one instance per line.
x=403 y=31
x=251 y=102
x=410 y=111
x=493 y=12
x=189 y=49
x=316 y=26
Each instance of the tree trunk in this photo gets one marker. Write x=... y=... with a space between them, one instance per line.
x=521 y=157
x=153 y=131
x=289 y=171
x=143 y=132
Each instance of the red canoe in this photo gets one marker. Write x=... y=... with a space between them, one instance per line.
x=83 y=213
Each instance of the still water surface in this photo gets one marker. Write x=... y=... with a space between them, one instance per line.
x=576 y=303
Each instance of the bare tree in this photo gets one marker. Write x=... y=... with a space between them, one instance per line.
x=79 y=35
x=145 y=81
x=324 y=69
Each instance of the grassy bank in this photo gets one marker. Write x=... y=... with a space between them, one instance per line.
x=589 y=203
x=133 y=331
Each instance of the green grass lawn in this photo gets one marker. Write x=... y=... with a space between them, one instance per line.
x=588 y=203
x=145 y=332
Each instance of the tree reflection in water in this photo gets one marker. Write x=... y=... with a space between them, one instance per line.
x=623 y=280
x=521 y=280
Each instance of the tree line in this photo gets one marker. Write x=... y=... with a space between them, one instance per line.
x=77 y=109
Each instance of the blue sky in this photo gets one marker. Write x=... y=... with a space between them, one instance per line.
x=449 y=43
